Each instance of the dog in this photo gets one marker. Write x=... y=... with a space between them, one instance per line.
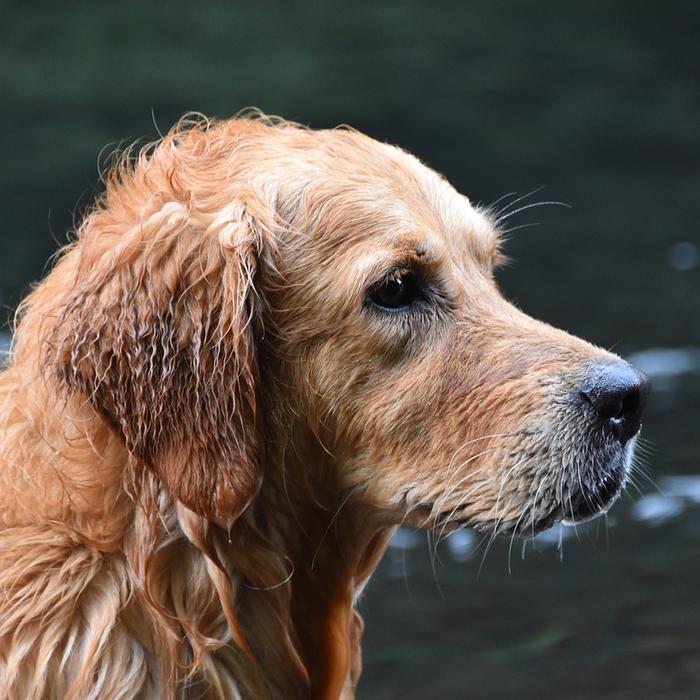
x=266 y=347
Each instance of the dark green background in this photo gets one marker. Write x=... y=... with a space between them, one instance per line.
x=598 y=101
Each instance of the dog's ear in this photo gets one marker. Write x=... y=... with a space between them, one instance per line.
x=158 y=335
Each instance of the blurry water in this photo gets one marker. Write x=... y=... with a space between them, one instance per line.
x=5 y=340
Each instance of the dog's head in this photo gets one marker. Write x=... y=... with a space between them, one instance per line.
x=243 y=273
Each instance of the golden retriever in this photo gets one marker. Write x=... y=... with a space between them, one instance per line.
x=266 y=347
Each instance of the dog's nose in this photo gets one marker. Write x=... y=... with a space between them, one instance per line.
x=618 y=392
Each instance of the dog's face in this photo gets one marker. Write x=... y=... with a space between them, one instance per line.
x=440 y=400
x=384 y=334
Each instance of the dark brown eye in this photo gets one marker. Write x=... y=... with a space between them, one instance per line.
x=396 y=293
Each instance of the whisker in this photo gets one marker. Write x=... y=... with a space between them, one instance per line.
x=518 y=199
x=432 y=564
x=641 y=473
x=461 y=504
x=492 y=205
x=512 y=539
x=507 y=216
x=506 y=231
x=573 y=517
x=560 y=545
x=479 y=439
x=437 y=506
x=534 y=505
x=495 y=510
x=633 y=483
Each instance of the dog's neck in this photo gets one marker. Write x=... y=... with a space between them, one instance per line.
x=333 y=540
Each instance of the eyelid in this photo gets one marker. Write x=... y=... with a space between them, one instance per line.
x=398 y=270
x=414 y=273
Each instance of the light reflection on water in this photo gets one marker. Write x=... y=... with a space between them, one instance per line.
x=663 y=365
x=5 y=341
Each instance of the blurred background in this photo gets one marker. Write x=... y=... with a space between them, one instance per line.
x=597 y=102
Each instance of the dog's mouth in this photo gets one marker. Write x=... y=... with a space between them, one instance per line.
x=599 y=491
x=588 y=493
x=588 y=497
x=591 y=503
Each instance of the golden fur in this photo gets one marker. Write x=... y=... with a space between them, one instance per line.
x=208 y=437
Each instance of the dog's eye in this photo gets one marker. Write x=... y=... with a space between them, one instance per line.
x=396 y=292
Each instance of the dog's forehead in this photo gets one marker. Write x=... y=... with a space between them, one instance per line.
x=432 y=206
x=355 y=188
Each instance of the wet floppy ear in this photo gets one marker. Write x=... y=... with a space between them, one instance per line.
x=158 y=335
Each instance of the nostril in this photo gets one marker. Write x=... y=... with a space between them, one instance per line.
x=609 y=404
x=630 y=405
x=617 y=409
x=618 y=393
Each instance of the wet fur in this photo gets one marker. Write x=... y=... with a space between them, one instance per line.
x=208 y=437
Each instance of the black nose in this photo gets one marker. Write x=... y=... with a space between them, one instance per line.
x=618 y=393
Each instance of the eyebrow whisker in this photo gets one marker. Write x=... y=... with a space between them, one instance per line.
x=530 y=206
x=515 y=201
x=490 y=207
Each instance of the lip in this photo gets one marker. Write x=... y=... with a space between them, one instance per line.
x=591 y=504
x=592 y=493
x=595 y=495
x=596 y=499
